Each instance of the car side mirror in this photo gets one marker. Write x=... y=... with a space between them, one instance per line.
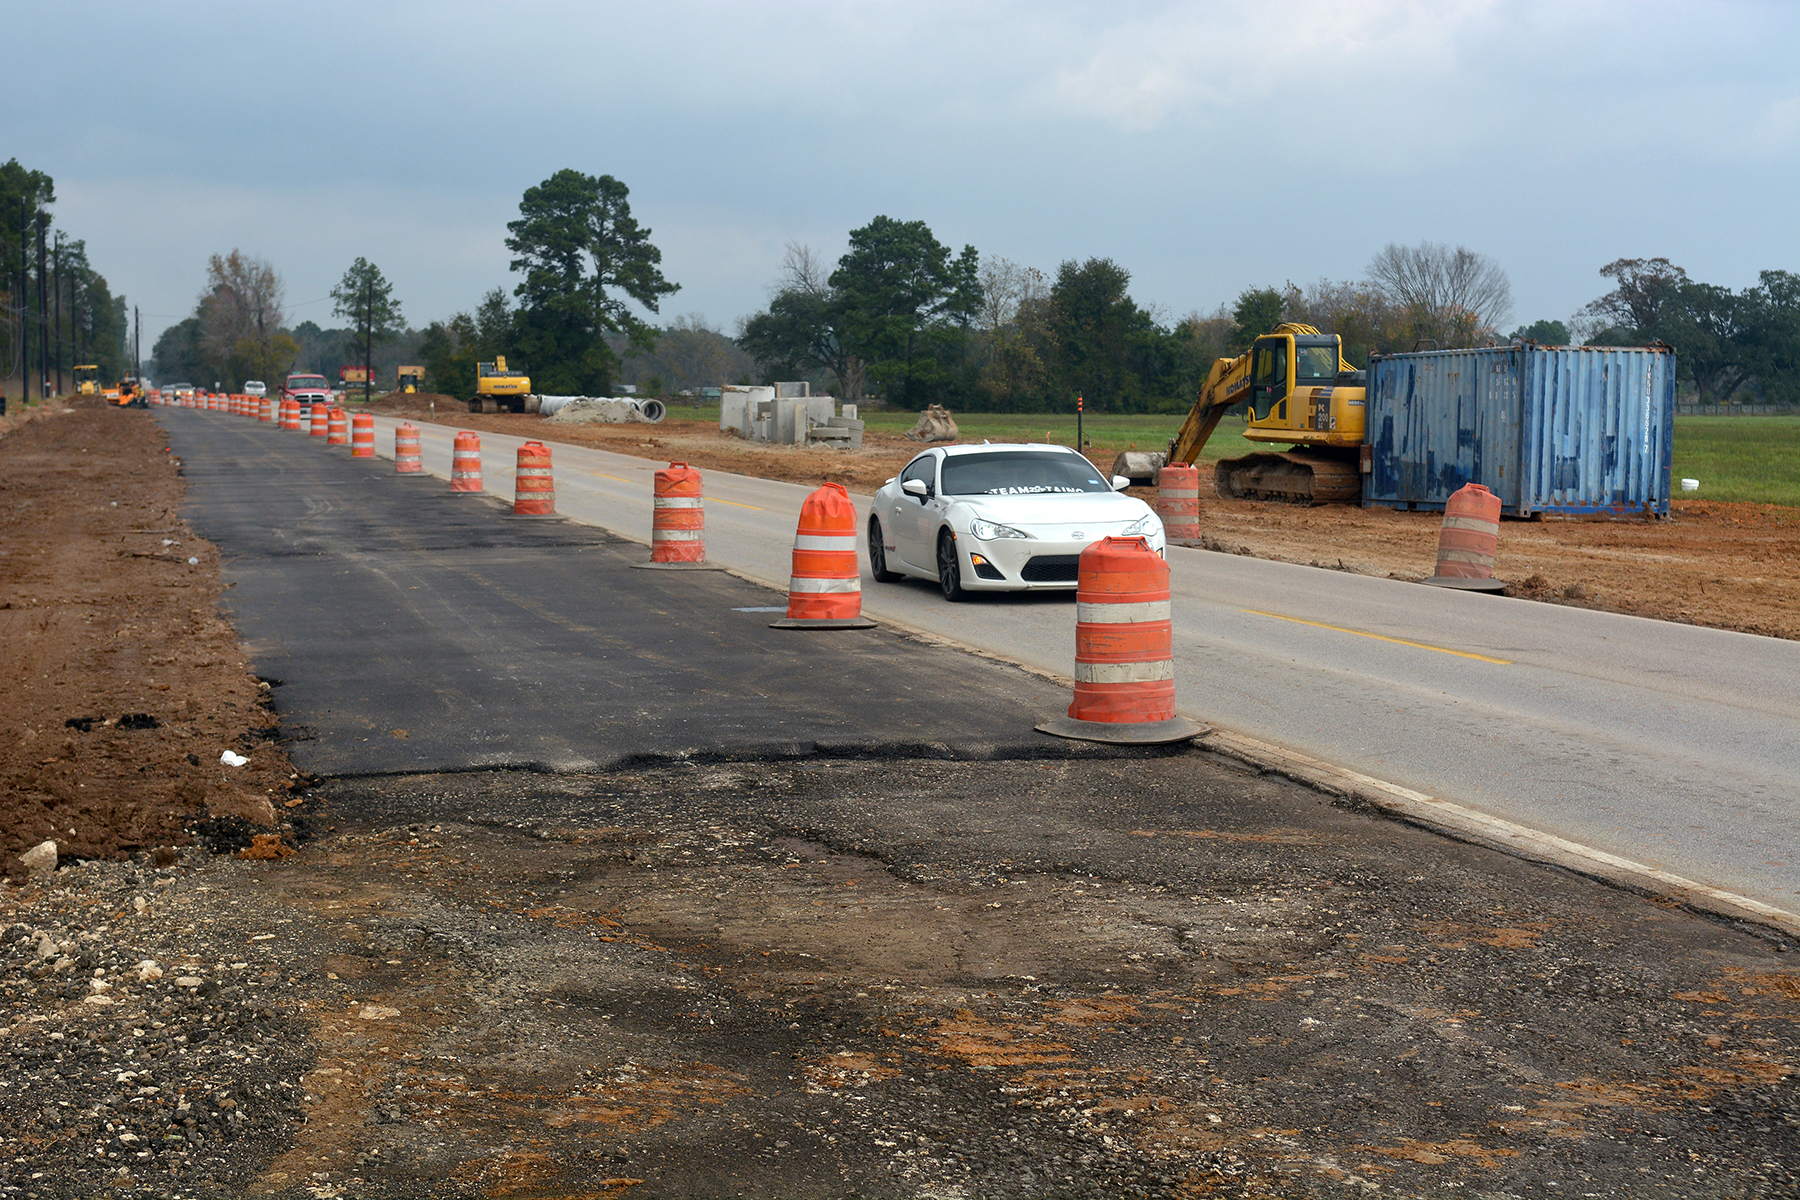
x=916 y=487
x=1121 y=482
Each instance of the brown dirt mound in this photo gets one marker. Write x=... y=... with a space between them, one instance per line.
x=124 y=685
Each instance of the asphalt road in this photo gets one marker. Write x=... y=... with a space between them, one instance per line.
x=1665 y=744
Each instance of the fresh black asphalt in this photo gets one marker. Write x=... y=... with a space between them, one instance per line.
x=408 y=629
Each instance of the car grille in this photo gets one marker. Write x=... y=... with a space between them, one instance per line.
x=1052 y=568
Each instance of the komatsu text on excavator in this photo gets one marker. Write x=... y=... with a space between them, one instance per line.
x=1302 y=393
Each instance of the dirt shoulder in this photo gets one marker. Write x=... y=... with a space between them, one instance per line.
x=1725 y=565
x=124 y=686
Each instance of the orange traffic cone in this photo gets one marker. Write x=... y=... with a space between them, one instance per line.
x=825 y=589
x=465 y=463
x=534 y=486
x=1124 y=650
x=1468 y=540
x=678 y=521
x=407 y=460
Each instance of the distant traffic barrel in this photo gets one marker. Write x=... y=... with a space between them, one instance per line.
x=362 y=435
x=265 y=409
x=406 y=450
x=290 y=414
x=825 y=587
x=1468 y=540
x=465 y=463
x=534 y=486
x=321 y=417
x=337 y=428
x=1124 y=649
x=678 y=516
x=1178 y=501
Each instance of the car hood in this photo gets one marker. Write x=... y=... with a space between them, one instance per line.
x=1101 y=510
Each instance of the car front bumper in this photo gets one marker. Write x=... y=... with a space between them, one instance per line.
x=1029 y=564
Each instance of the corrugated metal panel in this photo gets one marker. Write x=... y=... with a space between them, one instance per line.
x=1560 y=429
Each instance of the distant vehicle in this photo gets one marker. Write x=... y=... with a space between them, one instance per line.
x=999 y=518
x=409 y=378
x=255 y=387
x=306 y=390
x=183 y=391
x=497 y=388
x=87 y=380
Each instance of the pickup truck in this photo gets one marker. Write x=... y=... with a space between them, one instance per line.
x=306 y=390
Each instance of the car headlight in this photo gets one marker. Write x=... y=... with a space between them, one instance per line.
x=1142 y=525
x=987 y=531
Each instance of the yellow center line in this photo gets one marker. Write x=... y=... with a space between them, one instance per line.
x=1504 y=662
x=614 y=478
x=733 y=503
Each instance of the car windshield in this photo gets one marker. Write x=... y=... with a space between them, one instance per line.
x=295 y=382
x=1019 y=473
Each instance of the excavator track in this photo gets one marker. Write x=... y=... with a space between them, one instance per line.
x=1293 y=476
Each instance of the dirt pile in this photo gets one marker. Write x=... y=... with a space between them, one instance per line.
x=124 y=685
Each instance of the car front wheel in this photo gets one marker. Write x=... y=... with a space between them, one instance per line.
x=949 y=569
x=878 y=555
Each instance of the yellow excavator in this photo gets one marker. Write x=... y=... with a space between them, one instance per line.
x=1301 y=393
x=497 y=388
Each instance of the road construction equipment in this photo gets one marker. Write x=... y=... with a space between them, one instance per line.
x=1301 y=392
x=87 y=380
x=128 y=394
x=497 y=388
x=409 y=378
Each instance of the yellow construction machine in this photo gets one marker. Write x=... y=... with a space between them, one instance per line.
x=408 y=379
x=87 y=380
x=497 y=388
x=1301 y=393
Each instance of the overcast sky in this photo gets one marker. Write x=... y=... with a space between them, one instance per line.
x=1204 y=147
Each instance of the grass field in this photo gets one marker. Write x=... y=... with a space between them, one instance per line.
x=1735 y=458
x=1739 y=458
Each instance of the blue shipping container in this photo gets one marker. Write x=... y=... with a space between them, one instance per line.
x=1548 y=429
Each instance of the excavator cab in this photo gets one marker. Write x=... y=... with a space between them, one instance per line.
x=1269 y=382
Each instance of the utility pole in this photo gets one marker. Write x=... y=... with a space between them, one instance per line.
x=137 y=346
x=56 y=258
x=43 y=313
x=24 y=300
x=368 y=335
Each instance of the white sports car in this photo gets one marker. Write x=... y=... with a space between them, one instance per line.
x=999 y=518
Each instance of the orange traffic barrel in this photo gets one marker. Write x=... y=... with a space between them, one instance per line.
x=265 y=409
x=290 y=414
x=1178 y=501
x=320 y=417
x=678 y=520
x=1124 y=649
x=825 y=588
x=362 y=436
x=338 y=428
x=534 y=486
x=1467 y=541
x=465 y=463
x=406 y=450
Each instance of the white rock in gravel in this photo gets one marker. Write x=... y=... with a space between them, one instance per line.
x=189 y=981
x=148 y=970
x=378 y=1012
x=40 y=859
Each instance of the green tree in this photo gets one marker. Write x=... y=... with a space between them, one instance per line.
x=450 y=349
x=366 y=299
x=1546 y=333
x=906 y=306
x=1258 y=311
x=27 y=194
x=242 y=329
x=1771 y=333
x=581 y=252
x=1107 y=348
